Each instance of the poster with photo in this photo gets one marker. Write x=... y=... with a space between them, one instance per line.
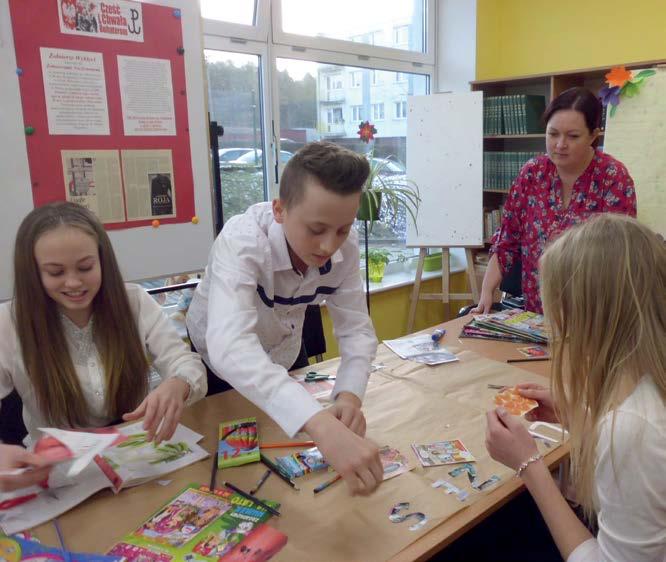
x=150 y=191
x=92 y=179
x=111 y=19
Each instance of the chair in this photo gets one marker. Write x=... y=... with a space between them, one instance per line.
x=12 y=428
x=313 y=332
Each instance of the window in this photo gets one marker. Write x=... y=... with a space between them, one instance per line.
x=234 y=101
x=286 y=72
x=334 y=82
x=401 y=37
x=348 y=21
x=377 y=111
x=357 y=113
x=400 y=109
x=238 y=11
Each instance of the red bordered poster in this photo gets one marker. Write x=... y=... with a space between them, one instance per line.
x=104 y=103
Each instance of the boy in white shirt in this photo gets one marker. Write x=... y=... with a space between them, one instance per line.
x=265 y=267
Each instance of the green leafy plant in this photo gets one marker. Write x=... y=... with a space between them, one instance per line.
x=379 y=255
x=384 y=187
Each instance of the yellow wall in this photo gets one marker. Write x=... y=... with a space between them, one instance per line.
x=517 y=37
x=389 y=311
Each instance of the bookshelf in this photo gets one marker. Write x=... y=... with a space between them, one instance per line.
x=548 y=86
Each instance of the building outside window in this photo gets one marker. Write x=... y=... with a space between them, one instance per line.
x=400 y=108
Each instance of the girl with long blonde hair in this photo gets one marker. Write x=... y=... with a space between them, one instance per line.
x=603 y=286
x=76 y=341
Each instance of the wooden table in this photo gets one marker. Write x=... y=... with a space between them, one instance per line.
x=104 y=519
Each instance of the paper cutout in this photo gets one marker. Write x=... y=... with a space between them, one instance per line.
x=396 y=517
x=514 y=403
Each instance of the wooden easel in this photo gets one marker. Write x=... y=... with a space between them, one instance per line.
x=445 y=296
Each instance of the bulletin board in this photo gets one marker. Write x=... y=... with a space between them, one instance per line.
x=106 y=108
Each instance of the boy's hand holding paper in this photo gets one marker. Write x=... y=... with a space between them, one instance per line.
x=20 y=468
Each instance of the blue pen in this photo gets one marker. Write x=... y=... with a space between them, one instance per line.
x=437 y=335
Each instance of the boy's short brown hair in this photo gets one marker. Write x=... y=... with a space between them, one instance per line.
x=335 y=167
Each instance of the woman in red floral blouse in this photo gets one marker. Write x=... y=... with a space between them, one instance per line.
x=555 y=191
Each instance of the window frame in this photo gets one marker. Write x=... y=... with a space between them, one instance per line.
x=262 y=41
x=281 y=37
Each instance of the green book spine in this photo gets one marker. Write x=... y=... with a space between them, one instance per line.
x=534 y=106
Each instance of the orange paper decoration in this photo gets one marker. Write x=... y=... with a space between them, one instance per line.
x=618 y=76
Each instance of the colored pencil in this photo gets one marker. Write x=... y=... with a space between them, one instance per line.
x=287 y=444
x=272 y=466
x=61 y=540
x=252 y=499
x=213 y=472
x=326 y=484
x=263 y=479
x=526 y=359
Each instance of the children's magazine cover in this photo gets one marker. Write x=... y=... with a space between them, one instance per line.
x=14 y=549
x=200 y=525
x=302 y=462
x=239 y=443
x=136 y=460
x=393 y=462
x=442 y=452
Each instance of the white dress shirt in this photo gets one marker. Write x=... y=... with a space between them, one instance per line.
x=246 y=316
x=170 y=356
x=630 y=484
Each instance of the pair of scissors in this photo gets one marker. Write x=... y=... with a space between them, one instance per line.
x=314 y=376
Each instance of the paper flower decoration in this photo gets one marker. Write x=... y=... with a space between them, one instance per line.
x=366 y=131
x=621 y=83
x=618 y=76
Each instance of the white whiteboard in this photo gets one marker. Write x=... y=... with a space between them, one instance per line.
x=142 y=252
x=445 y=159
x=636 y=135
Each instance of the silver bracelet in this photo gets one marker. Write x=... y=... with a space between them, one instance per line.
x=529 y=461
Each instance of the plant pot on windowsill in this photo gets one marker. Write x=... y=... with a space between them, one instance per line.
x=370 y=207
x=377 y=261
x=433 y=262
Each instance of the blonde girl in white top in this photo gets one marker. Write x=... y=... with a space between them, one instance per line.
x=603 y=286
x=77 y=341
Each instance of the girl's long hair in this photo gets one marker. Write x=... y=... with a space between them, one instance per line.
x=40 y=333
x=603 y=286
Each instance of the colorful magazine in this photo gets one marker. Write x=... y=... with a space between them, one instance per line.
x=131 y=462
x=14 y=549
x=442 y=452
x=200 y=525
x=239 y=443
x=518 y=323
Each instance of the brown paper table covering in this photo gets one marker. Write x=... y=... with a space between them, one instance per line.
x=406 y=403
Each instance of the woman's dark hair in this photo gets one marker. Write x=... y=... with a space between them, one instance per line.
x=578 y=99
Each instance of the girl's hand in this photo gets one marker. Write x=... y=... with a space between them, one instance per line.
x=162 y=409
x=507 y=439
x=546 y=411
x=13 y=457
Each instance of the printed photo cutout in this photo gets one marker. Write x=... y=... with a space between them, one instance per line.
x=393 y=462
x=533 y=351
x=514 y=403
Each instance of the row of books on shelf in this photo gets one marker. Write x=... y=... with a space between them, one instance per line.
x=491 y=222
x=517 y=114
x=501 y=168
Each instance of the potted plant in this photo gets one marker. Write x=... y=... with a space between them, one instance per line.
x=383 y=187
x=377 y=260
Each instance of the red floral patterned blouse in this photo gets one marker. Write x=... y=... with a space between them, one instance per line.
x=533 y=212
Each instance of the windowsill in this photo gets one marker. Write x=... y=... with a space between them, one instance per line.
x=404 y=274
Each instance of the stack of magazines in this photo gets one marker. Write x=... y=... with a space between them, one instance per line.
x=509 y=325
